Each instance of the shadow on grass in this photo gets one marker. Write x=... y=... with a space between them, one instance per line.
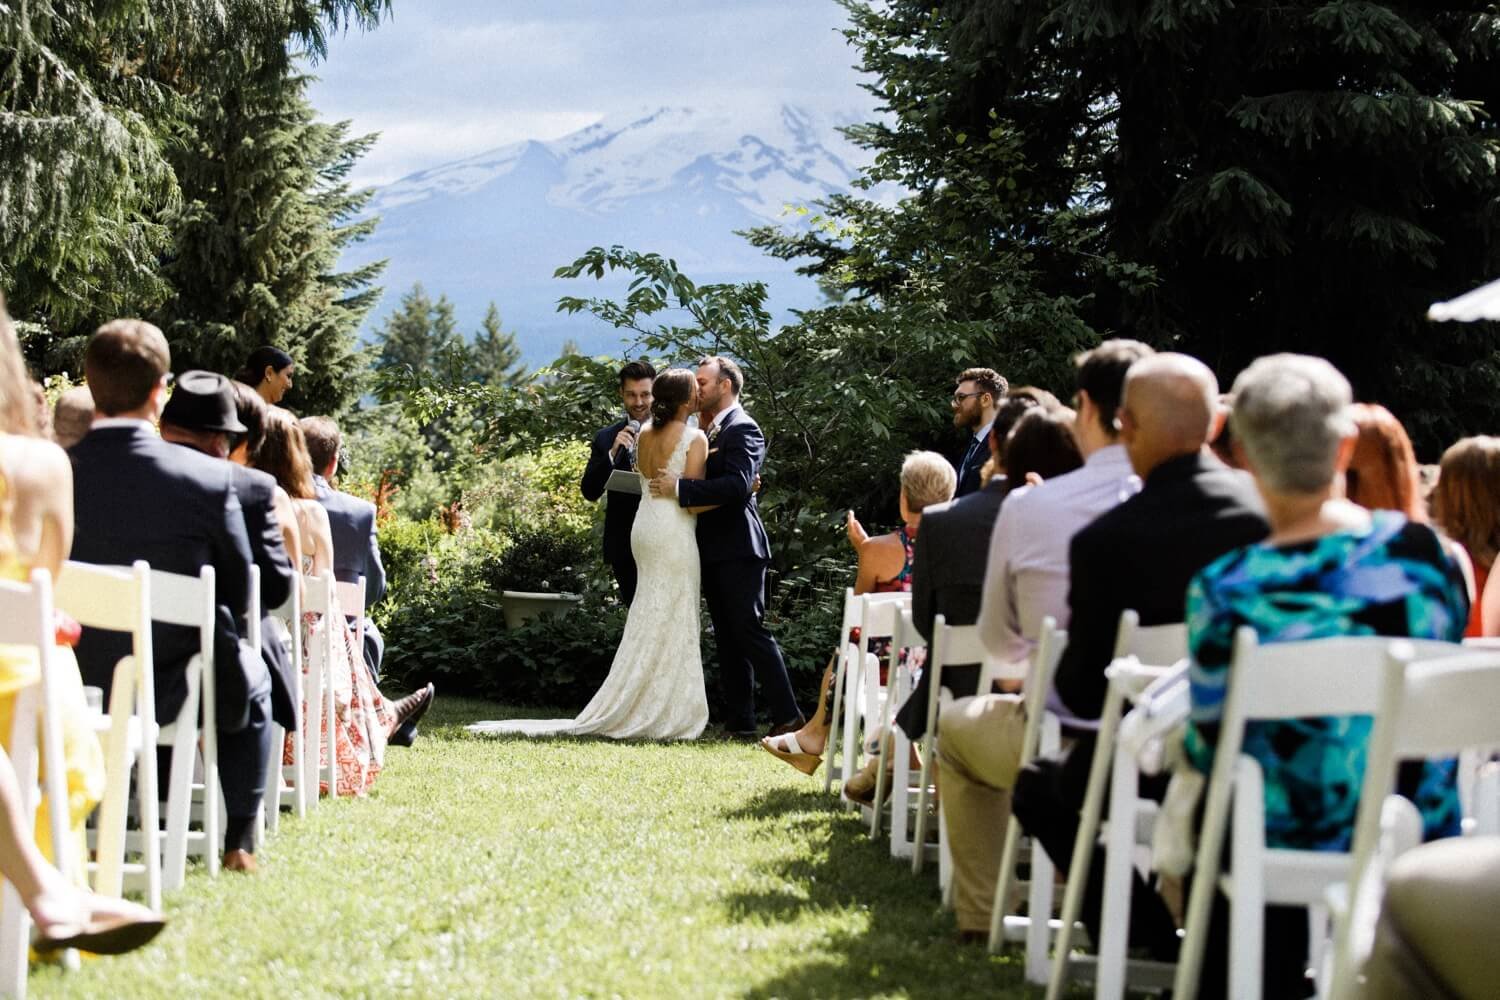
x=906 y=943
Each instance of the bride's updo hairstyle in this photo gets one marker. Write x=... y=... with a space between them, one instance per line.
x=671 y=389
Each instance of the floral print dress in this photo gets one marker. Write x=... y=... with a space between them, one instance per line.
x=1392 y=579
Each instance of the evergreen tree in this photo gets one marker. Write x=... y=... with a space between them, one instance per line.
x=494 y=356
x=266 y=215
x=87 y=93
x=421 y=335
x=1235 y=178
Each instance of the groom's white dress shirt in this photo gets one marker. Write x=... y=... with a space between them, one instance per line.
x=1026 y=577
x=721 y=416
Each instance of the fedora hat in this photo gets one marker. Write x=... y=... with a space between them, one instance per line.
x=203 y=401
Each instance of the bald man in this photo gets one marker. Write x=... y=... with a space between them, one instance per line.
x=1140 y=555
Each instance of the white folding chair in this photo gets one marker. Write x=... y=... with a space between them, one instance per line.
x=856 y=693
x=1042 y=737
x=1285 y=680
x=832 y=759
x=951 y=644
x=1435 y=708
x=351 y=597
x=289 y=784
x=190 y=601
x=897 y=748
x=1137 y=651
x=119 y=600
x=320 y=600
x=26 y=621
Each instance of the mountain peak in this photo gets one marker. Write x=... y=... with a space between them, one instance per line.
x=763 y=158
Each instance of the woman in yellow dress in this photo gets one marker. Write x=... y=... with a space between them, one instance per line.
x=36 y=530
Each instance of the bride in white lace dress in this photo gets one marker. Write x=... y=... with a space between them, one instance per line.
x=655 y=687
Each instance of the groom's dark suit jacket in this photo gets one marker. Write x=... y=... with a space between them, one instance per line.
x=732 y=531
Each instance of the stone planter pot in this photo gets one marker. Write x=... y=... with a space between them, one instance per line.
x=521 y=606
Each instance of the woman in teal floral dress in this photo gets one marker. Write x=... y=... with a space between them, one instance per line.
x=1329 y=568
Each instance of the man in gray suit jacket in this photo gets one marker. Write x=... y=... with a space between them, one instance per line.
x=356 y=551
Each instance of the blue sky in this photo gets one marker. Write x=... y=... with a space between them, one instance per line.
x=444 y=79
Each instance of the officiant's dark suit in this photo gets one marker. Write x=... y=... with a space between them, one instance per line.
x=970 y=466
x=619 y=510
x=136 y=496
x=947 y=578
x=735 y=555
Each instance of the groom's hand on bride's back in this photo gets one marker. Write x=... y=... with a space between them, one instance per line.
x=664 y=485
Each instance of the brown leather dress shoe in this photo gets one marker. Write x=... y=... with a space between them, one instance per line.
x=411 y=708
x=240 y=861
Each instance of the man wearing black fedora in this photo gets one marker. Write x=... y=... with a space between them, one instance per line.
x=136 y=496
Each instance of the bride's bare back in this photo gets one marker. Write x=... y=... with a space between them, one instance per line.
x=658 y=443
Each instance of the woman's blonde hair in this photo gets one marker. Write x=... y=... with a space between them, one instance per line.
x=927 y=478
x=1466 y=500
x=284 y=455
x=18 y=403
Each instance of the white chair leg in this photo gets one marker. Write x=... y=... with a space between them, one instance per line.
x=312 y=736
x=832 y=745
x=179 y=812
x=1039 y=915
x=271 y=799
x=109 y=875
x=849 y=744
x=1114 y=923
x=1008 y=855
x=1247 y=906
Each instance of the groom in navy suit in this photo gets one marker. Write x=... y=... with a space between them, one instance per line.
x=735 y=553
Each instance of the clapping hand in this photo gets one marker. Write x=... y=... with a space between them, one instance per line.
x=664 y=485
x=857 y=533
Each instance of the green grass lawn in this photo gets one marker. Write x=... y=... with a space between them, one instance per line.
x=481 y=867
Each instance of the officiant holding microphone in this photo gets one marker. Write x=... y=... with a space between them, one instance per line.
x=613 y=450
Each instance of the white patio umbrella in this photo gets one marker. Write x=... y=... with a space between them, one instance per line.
x=1482 y=303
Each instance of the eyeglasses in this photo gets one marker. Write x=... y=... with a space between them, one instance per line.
x=959 y=397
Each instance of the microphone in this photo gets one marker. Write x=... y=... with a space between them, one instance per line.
x=634 y=427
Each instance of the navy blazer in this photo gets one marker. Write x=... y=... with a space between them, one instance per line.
x=733 y=531
x=356 y=550
x=620 y=509
x=969 y=479
x=256 y=491
x=136 y=496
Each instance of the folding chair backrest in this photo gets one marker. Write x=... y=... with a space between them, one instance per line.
x=1445 y=705
x=351 y=598
x=26 y=611
x=1049 y=651
x=879 y=613
x=1316 y=677
x=955 y=644
x=318 y=594
x=1154 y=645
x=105 y=597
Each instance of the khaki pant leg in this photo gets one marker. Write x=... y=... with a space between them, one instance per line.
x=979 y=753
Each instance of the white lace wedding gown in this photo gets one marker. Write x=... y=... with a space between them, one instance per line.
x=654 y=690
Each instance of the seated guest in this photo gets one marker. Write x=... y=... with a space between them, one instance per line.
x=36 y=532
x=1432 y=937
x=356 y=549
x=1466 y=506
x=1026 y=577
x=269 y=372
x=884 y=567
x=203 y=414
x=1328 y=568
x=138 y=497
x=72 y=415
x=365 y=719
x=1383 y=475
x=948 y=569
x=979 y=393
x=1138 y=556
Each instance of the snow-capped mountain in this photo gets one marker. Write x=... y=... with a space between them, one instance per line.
x=677 y=181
